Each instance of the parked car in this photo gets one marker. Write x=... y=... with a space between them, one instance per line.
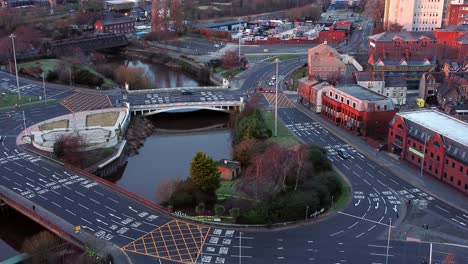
x=185 y=92
x=271 y=83
x=343 y=153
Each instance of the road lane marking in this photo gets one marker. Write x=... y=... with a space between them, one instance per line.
x=70 y=212
x=334 y=234
x=382 y=255
x=94 y=201
x=358 y=167
x=371 y=228
x=394 y=181
x=56 y=205
x=381 y=183
x=86 y=221
x=98 y=192
x=362 y=218
x=353 y=225
x=80 y=193
x=110 y=208
x=83 y=206
x=68 y=199
x=360 y=235
x=112 y=200
x=379 y=246
x=99 y=214
x=367 y=182
x=442 y=208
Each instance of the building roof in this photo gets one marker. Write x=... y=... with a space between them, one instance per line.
x=117 y=20
x=361 y=93
x=369 y=76
x=230 y=164
x=463 y=39
x=220 y=24
x=440 y=123
x=324 y=49
x=461 y=27
x=119 y=2
x=395 y=81
x=404 y=35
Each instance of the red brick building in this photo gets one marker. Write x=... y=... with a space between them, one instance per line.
x=310 y=93
x=448 y=43
x=360 y=110
x=458 y=14
x=325 y=63
x=434 y=141
x=121 y=25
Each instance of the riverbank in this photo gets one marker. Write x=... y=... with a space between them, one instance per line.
x=137 y=132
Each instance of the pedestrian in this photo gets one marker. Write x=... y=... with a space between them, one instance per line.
x=397 y=215
x=34 y=208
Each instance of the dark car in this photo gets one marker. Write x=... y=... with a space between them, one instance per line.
x=187 y=92
x=343 y=153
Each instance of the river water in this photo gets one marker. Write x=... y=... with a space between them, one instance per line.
x=166 y=154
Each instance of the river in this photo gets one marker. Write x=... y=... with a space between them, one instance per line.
x=166 y=154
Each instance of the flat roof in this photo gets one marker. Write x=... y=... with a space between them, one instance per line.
x=361 y=92
x=440 y=123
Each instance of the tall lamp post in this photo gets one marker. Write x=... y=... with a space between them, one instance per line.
x=12 y=36
x=240 y=34
x=388 y=240
x=276 y=99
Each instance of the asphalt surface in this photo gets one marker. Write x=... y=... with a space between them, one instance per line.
x=356 y=234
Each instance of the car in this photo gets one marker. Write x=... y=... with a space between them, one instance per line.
x=343 y=153
x=271 y=83
x=184 y=92
x=273 y=77
x=216 y=45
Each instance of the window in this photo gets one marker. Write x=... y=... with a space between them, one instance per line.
x=412 y=157
x=385 y=107
x=451 y=178
x=347 y=101
x=446 y=161
x=432 y=155
x=445 y=175
x=459 y=183
x=461 y=168
x=336 y=96
x=438 y=158
x=354 y=105
x=436 y=171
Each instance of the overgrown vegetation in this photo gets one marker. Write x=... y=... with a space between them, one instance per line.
x=11 y=99
x=277 y=184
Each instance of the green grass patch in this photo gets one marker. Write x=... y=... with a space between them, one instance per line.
x=285 y=137
x=227 y=189
x=282 y=57
x=48 y=65
x=344 y=195
x=56 y=124
x=231 y=73
x=102 y=119
x=296 y=75
x=11 y=99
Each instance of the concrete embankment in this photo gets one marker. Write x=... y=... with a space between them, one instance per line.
x=137 y=131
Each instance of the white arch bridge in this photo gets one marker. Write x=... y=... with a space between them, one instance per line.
x=221 y=106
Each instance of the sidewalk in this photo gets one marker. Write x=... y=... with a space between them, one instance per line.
x=403 y=170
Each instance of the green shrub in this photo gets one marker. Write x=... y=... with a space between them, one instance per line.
x=52 y=76
x=85 y=77
x=219 y=210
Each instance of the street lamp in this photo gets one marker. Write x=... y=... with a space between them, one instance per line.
x=276 y=99
x=12 y=36
x=240 y=34
x=43 y=86
x=388 y=240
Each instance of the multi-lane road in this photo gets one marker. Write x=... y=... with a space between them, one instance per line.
x=356 y=234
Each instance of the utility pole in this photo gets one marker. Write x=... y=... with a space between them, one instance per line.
x=388 y=240
x=276 y=99
x=69 y=75
x=240 y=247
x=12 y=36
x=240 y=36
x=307 y=212
x=43 y=86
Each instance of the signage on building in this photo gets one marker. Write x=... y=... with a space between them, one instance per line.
x=419 y=154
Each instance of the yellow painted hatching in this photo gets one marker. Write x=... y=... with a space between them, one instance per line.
x=176 y=241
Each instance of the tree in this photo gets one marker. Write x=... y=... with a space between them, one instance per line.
x=166 y=188
x=219 y=209
x=300 y=151
x=230 y=59
x=43 y=248
x=135 y=77
x=204 y=172
x=234 y=212
x=200 y=208
x=395 y=27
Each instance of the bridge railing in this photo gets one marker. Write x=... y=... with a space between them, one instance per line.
x=162 y=90
x=185 y=104
x=117 y=188
x=38 y=218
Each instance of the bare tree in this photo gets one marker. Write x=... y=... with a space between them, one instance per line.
x=300 y=151
x=42 y=248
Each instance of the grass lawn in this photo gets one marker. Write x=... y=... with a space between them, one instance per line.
x=282 y=57
x=48 y=65
x=345 y=195
x=102 y=119
x=285 y=137
x=56 y=124
x=231 y=73
x=298 y=74
x=11 y=99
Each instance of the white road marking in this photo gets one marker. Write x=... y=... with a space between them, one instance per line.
x=394 y=181
x=334 y=234
x=360 y=235
x=362 y=218
x=94 y=201
x=381 y=183
x=70 y=212
x=353 y=225
x=371 y=228
x=99 y=214
x=383 y=255
x=379 y=246
x=83 y=206
x=359 y=167
x=98 y=192
x=110 y=208
x=68 y=199
x=149 y=224
x=442 y=209
x=112 y=199
x=80 y=193
x=367 y=182
x=86 y=221
x=56 y=205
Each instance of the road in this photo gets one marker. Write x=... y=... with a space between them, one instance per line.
x=145 y=233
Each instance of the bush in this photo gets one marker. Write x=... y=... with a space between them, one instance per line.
x=52 y=76
x=135 y=77
x=85 y=77
x=219 y=209
x=187 y=195
x=256 y=215
x=234 y=212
